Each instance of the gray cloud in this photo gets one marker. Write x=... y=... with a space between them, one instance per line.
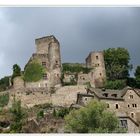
x=79 y=31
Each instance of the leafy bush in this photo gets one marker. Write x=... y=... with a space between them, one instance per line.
x=61 y=112
x=33 y=72
x=40 y=114
x=75 y=68
x=4 y=99
x=4 y=83
x=16 y=72
x=18 y=116
x=115 y=84
x=94 y=118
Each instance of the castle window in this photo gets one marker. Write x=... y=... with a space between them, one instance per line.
x=85 y=99
x=44 y=64
x=117 y=106
x=107 y=105
x=56 y=62
x=131 y=96
x=128 y=105
x=135 y=105
x=100 y=74
x=97 y=57
x=45 y=76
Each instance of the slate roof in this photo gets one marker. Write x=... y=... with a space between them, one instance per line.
x=112 y=94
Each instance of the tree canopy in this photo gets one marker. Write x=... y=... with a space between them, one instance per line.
x=16 y=71
x=117 y=63
x=94 y=118
x=137 y=77
x=4 y=83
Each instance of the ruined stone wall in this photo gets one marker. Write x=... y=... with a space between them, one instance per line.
x=67 y=95
x=38 y=84
x=83 y=78
x=68 y=77
x=18 y=83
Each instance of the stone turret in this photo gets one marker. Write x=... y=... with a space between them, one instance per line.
x=55 y=63
x=95 y=60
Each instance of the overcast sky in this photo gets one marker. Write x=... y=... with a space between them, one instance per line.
x=79 y=31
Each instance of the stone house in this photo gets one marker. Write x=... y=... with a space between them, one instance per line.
x=125 y=103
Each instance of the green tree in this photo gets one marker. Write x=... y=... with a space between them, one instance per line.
x=117 y=63
x=18 y=116
x=33 y=72
x=16 y=72
x=137 y=77
x=4 y=83
x=94 y=118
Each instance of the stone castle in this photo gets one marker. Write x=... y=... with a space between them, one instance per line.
x=48 y=55
x=125 y=103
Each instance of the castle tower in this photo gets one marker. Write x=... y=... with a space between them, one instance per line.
x=55 y=63
x=95 y=60
x=48 y=55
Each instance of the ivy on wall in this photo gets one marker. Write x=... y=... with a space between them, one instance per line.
x=33 y=72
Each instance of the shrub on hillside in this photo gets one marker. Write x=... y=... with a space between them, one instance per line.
x=4 y=99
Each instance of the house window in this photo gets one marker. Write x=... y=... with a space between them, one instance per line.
x=117 y=106
x=97 y=57
x=133 y=105
x=132 y=115
x=85 y=99
x=123 y=124
x=44 y=64
x=45 y=76
x=131 y=96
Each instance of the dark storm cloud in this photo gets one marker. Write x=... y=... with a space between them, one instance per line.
x=79 y=31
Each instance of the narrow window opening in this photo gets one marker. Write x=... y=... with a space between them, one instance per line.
x=97 y=57
x=107 y=105
x=132 y=115
x=117 y=106
x=131 y=96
